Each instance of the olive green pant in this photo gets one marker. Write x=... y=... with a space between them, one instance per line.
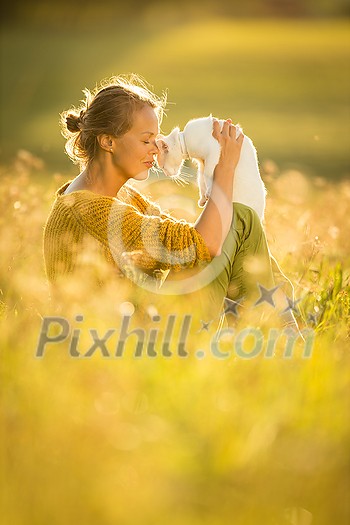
x=244 y=263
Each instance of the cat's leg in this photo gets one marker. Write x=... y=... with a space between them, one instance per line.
x=248 y=186
x=208 y=172
x=201 y=184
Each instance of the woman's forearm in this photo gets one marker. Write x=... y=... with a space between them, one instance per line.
x=214 y=222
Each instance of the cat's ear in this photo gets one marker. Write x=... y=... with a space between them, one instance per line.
x=174 y=133
x=161 y=144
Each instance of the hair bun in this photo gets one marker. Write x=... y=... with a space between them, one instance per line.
x=73 y=122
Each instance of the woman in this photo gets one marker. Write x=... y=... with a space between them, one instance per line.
x=113 y=138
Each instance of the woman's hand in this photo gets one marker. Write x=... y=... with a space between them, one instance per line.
x=230 y=146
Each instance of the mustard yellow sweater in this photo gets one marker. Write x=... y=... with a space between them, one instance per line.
x=116 y=227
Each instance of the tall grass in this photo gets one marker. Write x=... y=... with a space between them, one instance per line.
x=175 y=440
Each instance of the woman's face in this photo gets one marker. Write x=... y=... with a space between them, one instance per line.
x=133 y=153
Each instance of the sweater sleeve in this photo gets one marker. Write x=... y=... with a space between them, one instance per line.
x=161 y=242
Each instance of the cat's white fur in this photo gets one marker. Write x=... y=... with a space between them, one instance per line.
x=196 y=142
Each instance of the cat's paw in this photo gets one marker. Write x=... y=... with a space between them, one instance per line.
x=202 y=201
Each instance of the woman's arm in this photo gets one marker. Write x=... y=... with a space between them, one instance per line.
x=214 y=222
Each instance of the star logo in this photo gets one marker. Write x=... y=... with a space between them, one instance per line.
x=291 y=305
x=231 y=306
x=205 y=326
x=312 y=318
x=266 y=295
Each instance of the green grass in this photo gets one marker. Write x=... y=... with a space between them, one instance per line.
x=285 y=81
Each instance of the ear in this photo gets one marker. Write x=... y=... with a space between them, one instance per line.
x=105 y=142
x=161 y=144
x=175 y=133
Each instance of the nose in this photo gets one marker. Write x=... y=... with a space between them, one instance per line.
x=154 y=149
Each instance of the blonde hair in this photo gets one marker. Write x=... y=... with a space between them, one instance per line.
x=108 y=109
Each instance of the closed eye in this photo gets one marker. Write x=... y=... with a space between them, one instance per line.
x=149 y=142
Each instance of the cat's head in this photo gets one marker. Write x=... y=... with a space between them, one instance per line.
x=170 y=157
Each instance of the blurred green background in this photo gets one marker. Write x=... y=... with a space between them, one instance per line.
x=280 y=69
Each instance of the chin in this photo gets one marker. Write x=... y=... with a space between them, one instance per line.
x=142 y=176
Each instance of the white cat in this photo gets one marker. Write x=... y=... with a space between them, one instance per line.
x=196 y=142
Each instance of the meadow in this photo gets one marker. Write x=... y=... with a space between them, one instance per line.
x=208 y=439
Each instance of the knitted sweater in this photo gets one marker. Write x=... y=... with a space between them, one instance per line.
x=115 y=227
